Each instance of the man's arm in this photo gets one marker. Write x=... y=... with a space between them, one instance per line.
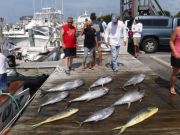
x=61 y=38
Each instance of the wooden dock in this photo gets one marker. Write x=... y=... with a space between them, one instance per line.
x=165 y=122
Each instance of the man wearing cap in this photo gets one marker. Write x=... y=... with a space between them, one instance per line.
x=137 y=30
x=115 y=36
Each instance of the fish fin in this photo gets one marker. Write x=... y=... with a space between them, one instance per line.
x=140 y=100
x=37 y=125
x=88 y=100
x=129 y=104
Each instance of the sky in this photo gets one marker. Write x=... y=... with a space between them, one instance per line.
x=11 y=10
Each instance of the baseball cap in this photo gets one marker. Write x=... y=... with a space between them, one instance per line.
x=114 y=18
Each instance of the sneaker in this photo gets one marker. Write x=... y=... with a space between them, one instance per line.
x=71 y=69
x=115 y=70
x=67 y=72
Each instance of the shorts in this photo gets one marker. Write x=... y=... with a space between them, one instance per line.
x=70 y=52
x=136 y=40
x=3 y=81
x=175 y=62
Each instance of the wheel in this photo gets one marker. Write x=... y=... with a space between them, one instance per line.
x=149 y=45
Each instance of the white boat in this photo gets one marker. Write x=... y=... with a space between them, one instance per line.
x=81 y=19
x=11 y=108
x=39 y=36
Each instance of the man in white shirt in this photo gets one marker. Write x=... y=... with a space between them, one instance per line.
x=3 y=75
x=115 y=36
x=137 y=30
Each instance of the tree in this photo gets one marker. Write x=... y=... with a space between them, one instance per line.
x=167 y=13
x=106 y=18
x=178 y=14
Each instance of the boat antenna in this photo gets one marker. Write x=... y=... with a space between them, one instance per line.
x=34 y=5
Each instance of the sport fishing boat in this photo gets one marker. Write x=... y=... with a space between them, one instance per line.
x=12 y=103
x=40 y=36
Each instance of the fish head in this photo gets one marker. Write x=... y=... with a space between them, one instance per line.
x=73 y=110
x=152 y=110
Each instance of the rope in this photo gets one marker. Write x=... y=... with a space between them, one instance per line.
x=12 y=98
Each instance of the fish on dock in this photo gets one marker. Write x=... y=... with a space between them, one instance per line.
x=137 y=118
x=130 y=96
x=66 y=113
x=90 y=95
x=54 y=99
x=73 y=84
x=99 y=115
x=136 y=79
x=101 y=81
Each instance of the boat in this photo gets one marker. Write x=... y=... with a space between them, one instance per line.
x=81 y=19
x=40 y=36
x=12 y=102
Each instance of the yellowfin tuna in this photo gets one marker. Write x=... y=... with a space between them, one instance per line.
x=59 y=116
x=139 y=117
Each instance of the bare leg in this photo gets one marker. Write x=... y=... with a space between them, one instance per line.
x=173 y=80
x=66 y=63
x=100 y=57
x=135 y=50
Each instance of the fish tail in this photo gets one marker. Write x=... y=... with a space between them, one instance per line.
x=37 y=125
x=39 y=109
x=120 y=127
x=43 y=92
x=122 y=130
x=81 y=123
x=123 y=88
x=68 y=103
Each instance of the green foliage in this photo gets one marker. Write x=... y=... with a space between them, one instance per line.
x=166 y=12
x=106 y=18
x=178 y=14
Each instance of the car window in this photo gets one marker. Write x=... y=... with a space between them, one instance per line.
x=154 y=22
x=178 y=22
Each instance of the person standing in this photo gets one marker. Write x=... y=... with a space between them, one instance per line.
x=68 y=40
x=115 y=36
x=98 y=27
x=137 y=28
x=3 y=75
x=175 y=58
x=90 y=43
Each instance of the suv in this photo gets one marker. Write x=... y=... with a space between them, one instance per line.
x=156 y=32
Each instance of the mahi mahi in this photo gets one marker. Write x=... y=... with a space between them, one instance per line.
x=129 y=97
x=66 y=86
x=136 y=79
x=138 y=117
x=101 y=81
x=54 y=99
x=59 y=116
x=90 y=95
x=99 y=115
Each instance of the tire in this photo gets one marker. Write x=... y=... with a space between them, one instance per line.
x=149 y=45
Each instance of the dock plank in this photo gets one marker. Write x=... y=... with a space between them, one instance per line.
x=165 y=122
